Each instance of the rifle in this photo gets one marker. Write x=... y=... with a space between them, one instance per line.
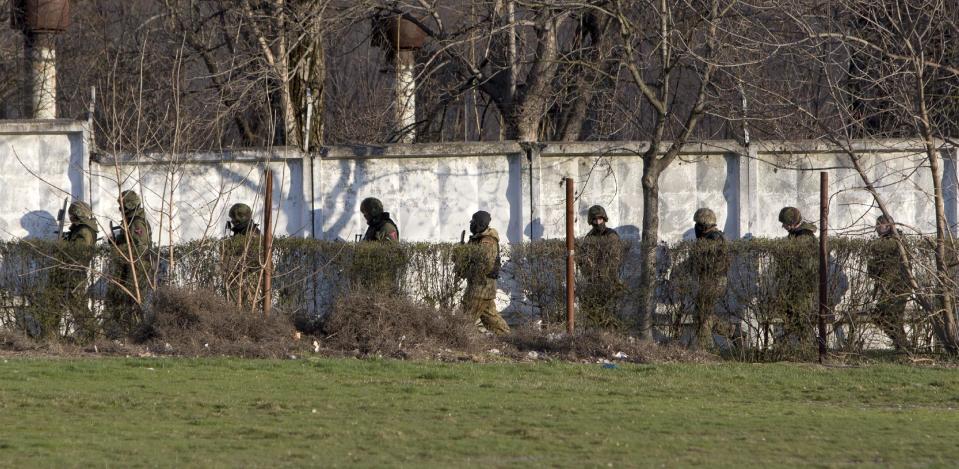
x=463 y=237
x=62 y=217
x=228 y=229
x=115 y=231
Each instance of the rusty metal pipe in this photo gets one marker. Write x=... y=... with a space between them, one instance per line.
x=823 y=260
x=570 y=259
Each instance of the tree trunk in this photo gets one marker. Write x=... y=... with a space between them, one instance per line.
x=945 y=321
x=650 y=238
x=309 y=63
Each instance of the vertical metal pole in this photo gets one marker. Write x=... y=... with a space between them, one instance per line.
x=309 y=116
x=823 y=260
x=268 y=245
x=570 y=259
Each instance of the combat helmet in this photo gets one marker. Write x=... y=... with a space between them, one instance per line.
x=790 y=216
x=594 y=212
x=705 y=217
x=241 y=213
x=129 y=200
x=372 y=206
x=80 y=210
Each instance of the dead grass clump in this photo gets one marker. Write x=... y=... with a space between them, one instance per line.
x=597 y=344
x=17 y=341
x=200 y=322
x=395 y=326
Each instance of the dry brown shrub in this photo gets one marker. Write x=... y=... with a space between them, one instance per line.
x=200 y=322
x=597 y=344
x=395 y=326
x=17 y=341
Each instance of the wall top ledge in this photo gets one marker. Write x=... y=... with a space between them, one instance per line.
x=41 y=126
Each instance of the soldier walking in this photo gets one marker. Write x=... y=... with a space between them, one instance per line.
x=599 y=261
x=379 y=261
x=891 y=280
x=69 y=278
x=710 y=263
x=131 y=256
x=241 y=258
x=796 y=269
x=480 y=268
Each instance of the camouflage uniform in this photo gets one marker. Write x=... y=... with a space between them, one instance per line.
x=83 y=226
x=378 y=262
x=792 y=216
x=241 y=258
x=892 y=286
x=599 y=261
x=481 y=271
x=381 y=227
x=709 y=265
x=135 y=236
x=797 y=271
x=70 y=278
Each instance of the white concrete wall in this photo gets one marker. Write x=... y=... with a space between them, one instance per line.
x=203 y=191
x=41 y=163
x=432 y=189
x=431 y=198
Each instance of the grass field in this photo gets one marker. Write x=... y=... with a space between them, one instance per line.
x=230 y=412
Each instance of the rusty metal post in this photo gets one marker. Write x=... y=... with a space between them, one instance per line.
x=823 y=260
x=570 y=260
x=268 y=244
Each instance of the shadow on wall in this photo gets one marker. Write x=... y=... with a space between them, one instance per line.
x=39 y=224
x=534 y=230
x=514 y=196
x=76 y=172
x=731 y=194
x=631 y=232
x=338 y=191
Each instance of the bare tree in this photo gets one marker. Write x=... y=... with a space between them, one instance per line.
x=889 y=68
x=675 y=71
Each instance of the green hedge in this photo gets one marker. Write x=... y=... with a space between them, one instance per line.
x=766 y=284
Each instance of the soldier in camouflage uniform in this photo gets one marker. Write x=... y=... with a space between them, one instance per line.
x=241 y=258
x=793 y=222
x=241 y=221
x=381 y=226
x=378 y=261
x=81 y=238
x=892 y=283
x=599 y=261
x=709 y=265
x=797 y=271
x=480 y=268
x=69 y=279
x=132 y=237
x=83 y=226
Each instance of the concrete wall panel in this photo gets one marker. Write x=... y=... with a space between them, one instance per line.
x=432 y=189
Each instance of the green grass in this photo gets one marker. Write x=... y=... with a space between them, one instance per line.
x=228 y=412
